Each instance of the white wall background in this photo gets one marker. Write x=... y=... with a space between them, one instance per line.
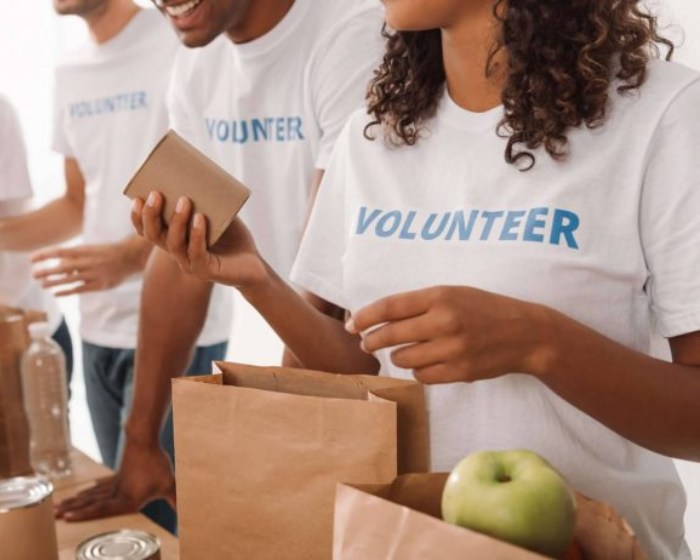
x=31 y=40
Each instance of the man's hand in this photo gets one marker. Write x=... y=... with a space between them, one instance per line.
x=144 y=475
x=454 y=333
x=232 y=260
x=91 y=268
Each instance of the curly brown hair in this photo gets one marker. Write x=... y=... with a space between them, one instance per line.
x=561 y=59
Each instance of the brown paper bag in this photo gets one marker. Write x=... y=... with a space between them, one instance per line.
x=402 y=521
x=14 y=426
x=260 y=450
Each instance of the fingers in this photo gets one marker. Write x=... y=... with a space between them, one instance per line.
x=426 y=354
x=197 y=251
x=408 y=331
x=137 y=215
x=88 y=286
x=176 y=239
x=66 y=267
x=101 y=490
x=96 y=509
x=53 y=253
x=154 y=229
x=392 y=308
x=438 y=373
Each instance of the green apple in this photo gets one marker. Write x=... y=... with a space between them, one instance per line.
x=515 y=496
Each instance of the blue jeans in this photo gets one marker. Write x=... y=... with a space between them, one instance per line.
x=109 y=383
x=63 y=339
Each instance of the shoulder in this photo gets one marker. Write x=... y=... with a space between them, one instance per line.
x=665 y=83
x=358 y=135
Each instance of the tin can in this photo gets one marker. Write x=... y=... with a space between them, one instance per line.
x=27 y=526
x=120 y=545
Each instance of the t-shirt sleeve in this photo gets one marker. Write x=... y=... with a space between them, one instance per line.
x=59 y=140
x=319 y=264
x=14 y=173
x=340 y=74
x=670 y=215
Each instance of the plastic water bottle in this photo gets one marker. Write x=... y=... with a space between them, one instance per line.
x=46 y=403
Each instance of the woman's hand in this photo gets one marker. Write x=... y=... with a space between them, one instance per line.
x=232 y=260
x=454 y=333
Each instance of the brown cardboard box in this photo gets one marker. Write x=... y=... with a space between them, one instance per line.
x=14 y=426
x=259 y=452
x=175 y=168
x=402 y=521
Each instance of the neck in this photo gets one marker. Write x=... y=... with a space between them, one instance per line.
x=262 y=17
x=475 y=78
x=108 y=20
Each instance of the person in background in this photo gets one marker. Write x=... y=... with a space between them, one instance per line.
x=17 y=287
x=110 y=111
x=263 y=88
x=511 y=221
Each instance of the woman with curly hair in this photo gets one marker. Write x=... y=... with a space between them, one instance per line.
x=514 y=225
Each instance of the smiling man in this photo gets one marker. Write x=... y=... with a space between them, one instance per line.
x=265 y=98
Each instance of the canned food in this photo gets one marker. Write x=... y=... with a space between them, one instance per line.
x=25 y=512
x=120 y=545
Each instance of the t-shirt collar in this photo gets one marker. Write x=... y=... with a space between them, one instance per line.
x=450 y=113
x=272 y=38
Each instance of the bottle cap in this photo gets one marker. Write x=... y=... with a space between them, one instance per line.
x=39 y=330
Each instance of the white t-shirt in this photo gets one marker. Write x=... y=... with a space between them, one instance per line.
x=609 y=237
x=269 y=111
x=17 y=287
x=110 y=112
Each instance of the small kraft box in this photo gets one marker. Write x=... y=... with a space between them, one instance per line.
x=402 y=521
x=175 y=168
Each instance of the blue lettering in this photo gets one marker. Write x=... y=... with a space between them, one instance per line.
x=405 y=230
x=490 y=218
x=279 y=129
x=388 y=224
x=513 y=218
x=534 y=223
x=211 y=123
x=465 y=228
x=260 y=129
x=564 y=223
x=294 y=125
x=364 y=221
x=430 y=235
x=242 y=127
x=222 y=130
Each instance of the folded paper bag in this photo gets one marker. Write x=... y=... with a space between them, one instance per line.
x=175 y=168
x=260 y=450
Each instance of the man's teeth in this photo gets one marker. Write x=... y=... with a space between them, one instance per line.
x=182 y=9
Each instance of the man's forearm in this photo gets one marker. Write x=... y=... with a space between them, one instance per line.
x=173 y=310
x=53 y=223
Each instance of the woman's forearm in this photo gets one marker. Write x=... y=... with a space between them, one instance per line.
x=317 y=340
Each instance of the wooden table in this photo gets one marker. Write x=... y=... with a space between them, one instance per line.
x=70 y=535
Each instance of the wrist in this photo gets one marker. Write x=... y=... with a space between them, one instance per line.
x=546 y=349
x=261 y=285
x=139 y=436
x=135 y=252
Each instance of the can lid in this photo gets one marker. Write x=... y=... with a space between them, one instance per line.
x=23 y=491
x=126 y=544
